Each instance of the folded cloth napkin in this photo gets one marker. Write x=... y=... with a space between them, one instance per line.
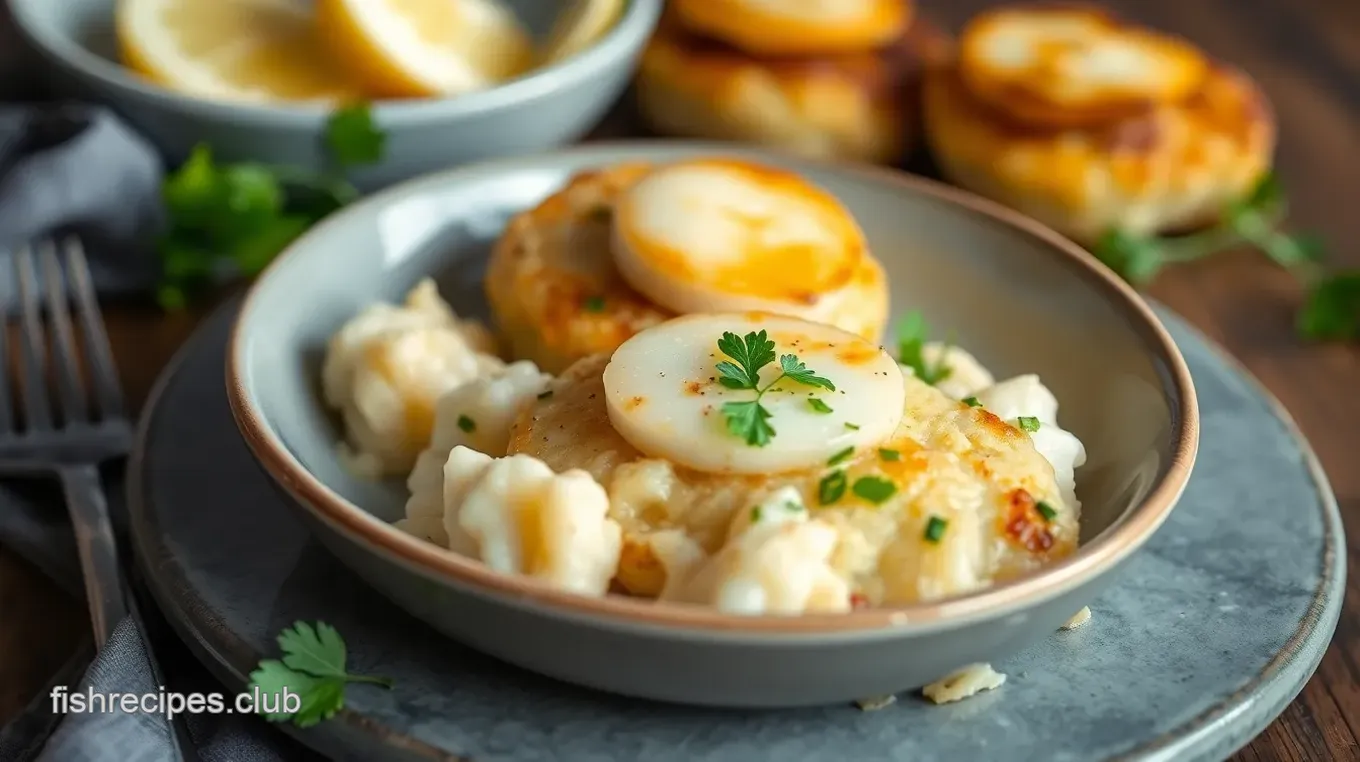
x=80 y=169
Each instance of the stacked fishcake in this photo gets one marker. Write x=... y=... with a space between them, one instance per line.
x=822 y=79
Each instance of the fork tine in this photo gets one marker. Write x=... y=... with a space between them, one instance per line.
x=69 y=386
x=37 y=413
x=97 y=348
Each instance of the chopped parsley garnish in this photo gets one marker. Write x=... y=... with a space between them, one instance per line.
x=874 y=489
x=755 y=514
x=841 y=456
x=935 y=529
x=818 y=406
x=887 y=454
x=1028 y=423
x=831 y=488
x=852 y=426
x=467 y=424
x=594 y=304
x=1046 y=510
x=545 y=395
x=749 y=419
x=911 y=341
x=972 y=402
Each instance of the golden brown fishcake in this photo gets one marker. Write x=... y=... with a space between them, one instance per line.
x=557 y=295
x=859 y=106
x=1172 y=168
x=956 y=463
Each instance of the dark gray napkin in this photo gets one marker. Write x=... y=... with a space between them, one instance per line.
x=79 y=169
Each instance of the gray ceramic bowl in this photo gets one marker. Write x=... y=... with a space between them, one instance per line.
x=543 y=109
x=1018 y=296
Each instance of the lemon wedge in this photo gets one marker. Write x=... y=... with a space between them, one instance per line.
x=242 y=50
x=424 y=48
x=582 y=24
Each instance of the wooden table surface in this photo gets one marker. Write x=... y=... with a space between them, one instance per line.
x=1306 y=54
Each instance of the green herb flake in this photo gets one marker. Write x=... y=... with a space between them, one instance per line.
x=840 y=457
x=831 y=488
x=972 y=402
x=873 y=489
x=935 y=527
x=852 y=426
x=818 y=406
x=889 y=455
x=1047 y=511
x=467 y=424
x=912 y=333
x=1028 y=423
x=593 y=304
x=755 y=514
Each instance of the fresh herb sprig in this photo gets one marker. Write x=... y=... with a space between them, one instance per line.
x=912 y=334
x=313 y=669
x=233 y=219
x=749 y=419
x=1332 y=308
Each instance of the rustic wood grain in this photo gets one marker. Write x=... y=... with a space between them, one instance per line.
x=1306 y=54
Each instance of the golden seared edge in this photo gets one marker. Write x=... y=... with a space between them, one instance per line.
x=860 y=106
x=557 y=295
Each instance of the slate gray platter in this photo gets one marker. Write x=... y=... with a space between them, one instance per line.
x=1210 y=633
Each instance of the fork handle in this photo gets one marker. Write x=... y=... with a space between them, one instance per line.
x=97 y=548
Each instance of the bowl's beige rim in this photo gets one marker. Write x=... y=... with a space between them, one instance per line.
x=1101 y=554
x=630 y=31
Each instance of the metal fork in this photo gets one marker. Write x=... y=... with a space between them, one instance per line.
x=70 y=440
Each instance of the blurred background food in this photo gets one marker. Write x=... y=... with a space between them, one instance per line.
x=820 y=79
x=1089 y=124
x=280 y=51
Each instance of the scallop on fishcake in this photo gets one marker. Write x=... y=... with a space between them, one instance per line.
x=927 y=497
x=1073 y=66
x=778 y=28
x=564 y=282
x=1172 y=167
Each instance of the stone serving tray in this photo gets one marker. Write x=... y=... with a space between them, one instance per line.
x=1208 y=635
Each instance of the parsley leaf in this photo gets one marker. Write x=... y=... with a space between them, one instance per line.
x=873 y=489
x=747 y=356
x=750 y=421
x=1332 y=309
x=819 y=406
x=232 y=219
x=352 y=136
x=312 y=670
x=912 y=333
x=795 y=370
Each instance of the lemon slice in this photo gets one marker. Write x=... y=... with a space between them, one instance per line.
x=424 y=48
x=241 y=50
x=1074 y=66
x=582 y=24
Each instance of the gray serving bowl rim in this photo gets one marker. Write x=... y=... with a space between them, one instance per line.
x=638 y=20
x=1091 y=560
